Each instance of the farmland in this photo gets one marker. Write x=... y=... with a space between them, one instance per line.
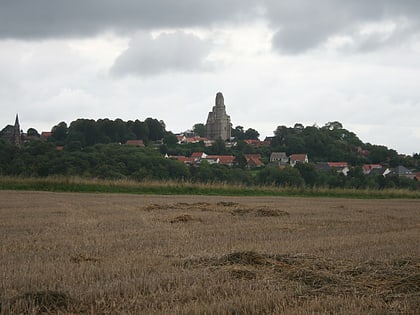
x=128 y=254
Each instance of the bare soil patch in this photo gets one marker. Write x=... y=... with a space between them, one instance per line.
x=128 y=254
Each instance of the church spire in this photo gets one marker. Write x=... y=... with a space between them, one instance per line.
x=17 y=138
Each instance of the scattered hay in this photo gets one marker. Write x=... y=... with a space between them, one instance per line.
x=182 y=218
x=267 y=212
x=241 y=211
x=80 y=258
x=407 y=285
x=153 y=206
x=313 y=279
x=241 y=272
x=227 y=204
x=45 y=301
x=243 y=258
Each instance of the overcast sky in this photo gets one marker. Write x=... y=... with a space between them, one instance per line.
x=277 y=62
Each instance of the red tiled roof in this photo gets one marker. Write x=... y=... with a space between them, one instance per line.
x=137 y=143
x=253 y=161
x=298 y=157
x=226 y=159
x=223 y=159
x=369 y=167
x=250 y=156
x=338 y=164
x=183 y=159
x=197 y=154
x=46 y=134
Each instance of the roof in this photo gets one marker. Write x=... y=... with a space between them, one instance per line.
x=223 y=159
x=197 y=154
x=278 y=155
x=183 y=159
x=370 y=167
x=338 y=164
x=250 y=156
x=137 y=143
x=226 y=159
x=299 y=157
x=46 y=134
x=253 y=161
x=401 y=171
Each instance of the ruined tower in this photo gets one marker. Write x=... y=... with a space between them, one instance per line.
x=218 y=124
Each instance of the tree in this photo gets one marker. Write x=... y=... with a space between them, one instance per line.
x=238 y=133
x=199 y=129
x=156 y=129
x=170 y=139
x=251 y=134
x=32 y=132
x=60 y=133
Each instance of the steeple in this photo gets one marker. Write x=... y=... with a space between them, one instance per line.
x=17 y=138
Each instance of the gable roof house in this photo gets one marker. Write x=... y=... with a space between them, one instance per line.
x=339 y=167
x=135 y=143
x=279 y=158
x=383 y=171
x=253 y=160
x=402 y=171
x=367 y=168
x=298 y=158
x=220 y=159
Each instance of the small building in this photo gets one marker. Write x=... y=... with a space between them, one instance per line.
x=367 y=168
x=340 y=167
x=402 y=171
x=253 y=160
x=298 y=158
x=135 y=143
x=279 y=158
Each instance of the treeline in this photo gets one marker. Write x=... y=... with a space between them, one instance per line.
x=87 y=132
x=95 y=149
x=115 y=161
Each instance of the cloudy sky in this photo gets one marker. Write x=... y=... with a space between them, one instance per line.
x=277 y=62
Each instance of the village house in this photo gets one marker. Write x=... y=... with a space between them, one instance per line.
x=402 y=171
x=298 y=158
x=135 y=143
x=367 y=168
x=339 y=167
x=279 y=158
x=253 y=160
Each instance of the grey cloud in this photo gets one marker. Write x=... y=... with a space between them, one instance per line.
x=168 y=52
x=54 y=18
x=302 y=25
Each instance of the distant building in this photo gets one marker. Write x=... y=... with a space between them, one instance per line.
x=298 y=158
x=135 y=143
x=218 y=124
x=12 y=134
x=279 y=158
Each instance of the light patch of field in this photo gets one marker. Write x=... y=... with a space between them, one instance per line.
x=135 y=254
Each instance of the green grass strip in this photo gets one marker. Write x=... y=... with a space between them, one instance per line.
x=75 y=184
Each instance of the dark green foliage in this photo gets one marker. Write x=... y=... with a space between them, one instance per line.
x=96 y=149
x=199 y=129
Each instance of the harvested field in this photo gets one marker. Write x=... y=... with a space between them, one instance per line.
x=131 y=254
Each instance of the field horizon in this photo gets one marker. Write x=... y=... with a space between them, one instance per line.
x=90 y=253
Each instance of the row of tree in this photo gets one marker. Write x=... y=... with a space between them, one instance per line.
x=114 y=161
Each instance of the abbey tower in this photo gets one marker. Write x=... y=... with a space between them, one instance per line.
x=218 y=124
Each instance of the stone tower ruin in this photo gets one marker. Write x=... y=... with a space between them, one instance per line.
x=218 y=124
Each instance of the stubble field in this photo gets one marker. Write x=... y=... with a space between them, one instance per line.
x=71 y=253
